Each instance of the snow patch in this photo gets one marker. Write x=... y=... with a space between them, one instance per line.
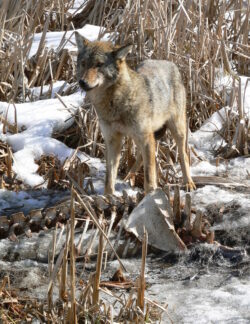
x=36 y=92
x=38 y=120
x=54 y=39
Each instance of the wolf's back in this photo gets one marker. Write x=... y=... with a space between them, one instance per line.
x=164 y=86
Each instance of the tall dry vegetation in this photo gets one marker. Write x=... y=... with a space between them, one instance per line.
x=206 y=39
x=19 y=21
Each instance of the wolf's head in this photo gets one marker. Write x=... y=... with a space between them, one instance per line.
x=98 y=63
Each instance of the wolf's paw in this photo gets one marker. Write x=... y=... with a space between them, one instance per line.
x=190 y=185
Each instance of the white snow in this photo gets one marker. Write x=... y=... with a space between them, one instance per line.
x=207 y=169
x=207 y=139
x=77 y=6
x=222 y=81
x=39 y=119
x=213 y=194
x=36 y=92
x=245 y=92
x=54 y=39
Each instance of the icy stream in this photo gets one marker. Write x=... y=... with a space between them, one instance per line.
x=202 y=285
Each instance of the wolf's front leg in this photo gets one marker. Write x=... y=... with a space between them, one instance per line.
x=113 y=150
x=147 y=145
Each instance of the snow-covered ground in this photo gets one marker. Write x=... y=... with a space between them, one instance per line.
x=195 y=302
x=207 y=139
x=78 y=5
x=66 y=39
x=37 y=120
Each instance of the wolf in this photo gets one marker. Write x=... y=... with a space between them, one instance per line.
x=139 y=104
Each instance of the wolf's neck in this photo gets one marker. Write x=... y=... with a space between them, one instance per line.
x=127 y=78
x=125 y=74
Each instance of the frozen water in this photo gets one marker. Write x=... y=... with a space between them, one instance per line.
x=11 y=202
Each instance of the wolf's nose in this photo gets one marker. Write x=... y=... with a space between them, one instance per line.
x=83 y=84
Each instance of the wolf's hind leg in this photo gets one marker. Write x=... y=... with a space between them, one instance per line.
x=178 y=131
x=147 y=147
x=113 y=152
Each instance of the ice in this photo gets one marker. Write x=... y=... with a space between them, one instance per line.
x=201 y=302
x=129 y=264
x=11 y=202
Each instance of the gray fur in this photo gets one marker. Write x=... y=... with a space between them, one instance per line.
x=131 y=103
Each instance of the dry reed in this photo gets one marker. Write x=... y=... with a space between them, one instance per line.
x=205 y=39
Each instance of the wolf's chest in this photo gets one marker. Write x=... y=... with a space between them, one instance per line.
x=116 y=112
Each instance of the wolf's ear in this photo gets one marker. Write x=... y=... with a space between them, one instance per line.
x=122 y=52
x=81 y=41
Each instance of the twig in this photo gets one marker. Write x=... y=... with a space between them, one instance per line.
x=141 y=281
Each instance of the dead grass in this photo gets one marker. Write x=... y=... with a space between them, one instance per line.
x=204 y=38
x=7 y=175
x=73 y=296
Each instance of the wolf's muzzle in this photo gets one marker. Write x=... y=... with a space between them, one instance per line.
x=84 y=85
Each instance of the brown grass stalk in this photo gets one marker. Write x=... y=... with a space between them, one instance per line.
x=141 y=280
x=72 y=311
x=98 y=270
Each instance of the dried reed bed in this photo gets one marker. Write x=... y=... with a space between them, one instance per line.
x=202 y=37
x=19 y=20
x=205 y=40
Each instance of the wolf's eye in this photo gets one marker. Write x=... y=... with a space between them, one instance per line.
x=99 y=64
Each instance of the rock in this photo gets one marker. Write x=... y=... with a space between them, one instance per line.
x=155 y=214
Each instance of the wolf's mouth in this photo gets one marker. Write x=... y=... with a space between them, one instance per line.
x=84 y=85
